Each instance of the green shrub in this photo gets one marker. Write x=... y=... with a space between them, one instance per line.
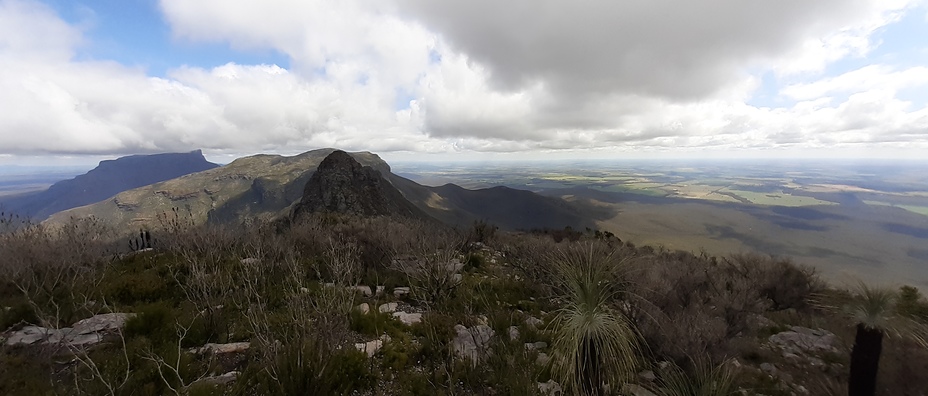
x=154 y=321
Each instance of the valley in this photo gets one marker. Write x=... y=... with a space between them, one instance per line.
x=850 y=220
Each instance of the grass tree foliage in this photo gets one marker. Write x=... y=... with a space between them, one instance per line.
x=612 y=309
x=876 y=314
x=594 y=344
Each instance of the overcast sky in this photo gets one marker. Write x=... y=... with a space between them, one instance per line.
x=426 y=79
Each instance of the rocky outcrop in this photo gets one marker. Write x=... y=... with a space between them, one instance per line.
x=85 y=332
x=803 y=341
x=342 y=185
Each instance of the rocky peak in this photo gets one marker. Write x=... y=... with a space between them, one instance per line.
x=342 y=185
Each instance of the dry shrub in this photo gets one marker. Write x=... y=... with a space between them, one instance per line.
x=693 y=305
x=57 y=268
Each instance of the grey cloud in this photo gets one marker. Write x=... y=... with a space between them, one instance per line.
x=679 y=50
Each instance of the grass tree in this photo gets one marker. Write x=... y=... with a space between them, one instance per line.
x=594 y=344
x=873 y=309
x=703 y=379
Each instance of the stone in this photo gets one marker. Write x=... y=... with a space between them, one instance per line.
x=101 y=323
x=85 y=332
x=370 y=347
x=408 y=319
x=399 y=292
x=472 y=343
x=388 y=307
x=513 y=333
x=531 y=346
x=550 y=388
x=768 y=368
x=28 y=335
x=363 y=308
x=365 y=290
x=218 y=349
x=802 y=341
x=542 y=359
x=379 y=290
x=457 y=278
x=533 y=322
x=220 y=379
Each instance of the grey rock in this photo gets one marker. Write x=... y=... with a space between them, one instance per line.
x=768 y=368
x=220 y=379
x=472 y=343
x=28 y=335
x=533 y=322
x=531 y=346
x=388 y=307
x=370 y=347
x=400 y=291
x=513 y=333
x=363 y=308
x=365 y=290
x=218 y=349
x=550 y=388
x=408 y=318
x=100 y=323
x=802 y=341
x=542 y=359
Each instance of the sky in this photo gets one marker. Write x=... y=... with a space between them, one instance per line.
x=463 y=80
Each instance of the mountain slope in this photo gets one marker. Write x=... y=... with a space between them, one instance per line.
x=270 y=186
x=342 y=185
x=259 y=186
x=109 y=178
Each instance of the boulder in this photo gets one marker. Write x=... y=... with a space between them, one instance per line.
x=408 y=319
x=803 y=341
x=232 y=347
x=550 y=388
x=472 y=343
x=101 y=323
x=370 y=347
x=85 y=332
x=365 y=290
x=399 y=292
x=220 y=379
x=533 y=322
x=364 y=308
x=388 y=307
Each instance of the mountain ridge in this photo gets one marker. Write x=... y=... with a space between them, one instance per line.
x=268 y=187
x=107 y=179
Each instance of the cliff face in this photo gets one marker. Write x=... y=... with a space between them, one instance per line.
x=342 y=185
x=109 y=178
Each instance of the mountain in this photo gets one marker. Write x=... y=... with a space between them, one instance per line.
x=109 y=178
x=342 y=185
x=271 y=186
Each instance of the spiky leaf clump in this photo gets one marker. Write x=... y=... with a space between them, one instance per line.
x=594 y=343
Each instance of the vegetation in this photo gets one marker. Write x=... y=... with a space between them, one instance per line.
x=592 y=313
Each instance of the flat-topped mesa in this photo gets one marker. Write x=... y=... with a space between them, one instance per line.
x=342 y=185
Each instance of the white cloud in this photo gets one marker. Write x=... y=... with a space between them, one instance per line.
x=480 y=76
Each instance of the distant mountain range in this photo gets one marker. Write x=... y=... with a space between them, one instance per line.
x=272 y=186
x=109 y=178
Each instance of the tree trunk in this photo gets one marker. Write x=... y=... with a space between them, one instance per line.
x=865 y=361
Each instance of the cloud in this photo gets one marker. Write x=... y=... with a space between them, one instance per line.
x=462 y=77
